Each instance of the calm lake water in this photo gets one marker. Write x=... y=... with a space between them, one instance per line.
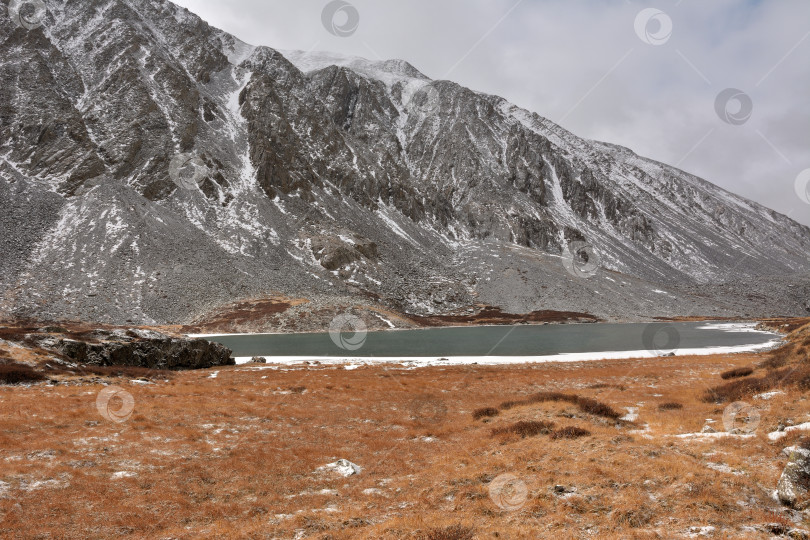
x=505 y=341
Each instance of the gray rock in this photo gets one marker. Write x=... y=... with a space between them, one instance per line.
x=563 y=490
x=342 y=467
x=794 y=484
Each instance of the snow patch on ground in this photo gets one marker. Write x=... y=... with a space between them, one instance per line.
x=707 y=530
x=386 y=321
x=776 y=435
x=768 y=395
x=722 y=467
x=716 y=435
x=343 y=467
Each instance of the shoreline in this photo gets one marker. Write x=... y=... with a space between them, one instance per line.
x=273 y=361
x=426 y=361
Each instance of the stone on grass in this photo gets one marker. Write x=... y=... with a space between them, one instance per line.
x=794 y=484
x=343 y=467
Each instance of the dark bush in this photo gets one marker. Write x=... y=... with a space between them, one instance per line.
x=570 y=432
x=670 y=406
x=485 y=412
x=778 y=358
x=600 y=386
x=506 y=405
x=736 y=373
x=591 y=406
x=736 y=390
x=19 y=374
x=586 y=405
x=525 y=428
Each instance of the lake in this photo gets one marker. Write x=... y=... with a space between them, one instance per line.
x=505 y=344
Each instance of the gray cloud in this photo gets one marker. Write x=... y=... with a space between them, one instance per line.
x=581 y=64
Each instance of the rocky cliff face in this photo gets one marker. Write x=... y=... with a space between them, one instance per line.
x=153 y=168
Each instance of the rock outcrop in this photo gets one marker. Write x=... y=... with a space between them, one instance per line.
x=794 y=484
x=140 y=349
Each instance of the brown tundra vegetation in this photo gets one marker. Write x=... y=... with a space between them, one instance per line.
x=608 y=449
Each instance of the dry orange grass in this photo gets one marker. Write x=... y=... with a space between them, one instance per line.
x=237 y=456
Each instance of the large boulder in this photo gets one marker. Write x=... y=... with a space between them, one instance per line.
x=794 y=484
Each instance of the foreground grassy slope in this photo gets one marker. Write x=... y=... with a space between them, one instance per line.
x=446 y=453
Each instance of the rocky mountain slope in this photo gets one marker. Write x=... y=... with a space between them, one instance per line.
x=153 y=169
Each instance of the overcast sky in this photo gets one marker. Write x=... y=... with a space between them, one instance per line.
x=598 y=70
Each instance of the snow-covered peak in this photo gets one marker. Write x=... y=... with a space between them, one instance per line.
x=388 y=71
x=238 y=51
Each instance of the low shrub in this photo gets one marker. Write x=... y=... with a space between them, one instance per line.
x=506 y=405
x=670 y=406
x=525 y=428
x=591 y=406
x=600 y=386
x=586 y=405
x=778 y=358
x=485 y=412
x=570 y=432
x=19 y=374
x=736 y=373
x=742 y=388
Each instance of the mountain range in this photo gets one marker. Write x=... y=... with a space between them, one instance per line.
x=154 y=169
